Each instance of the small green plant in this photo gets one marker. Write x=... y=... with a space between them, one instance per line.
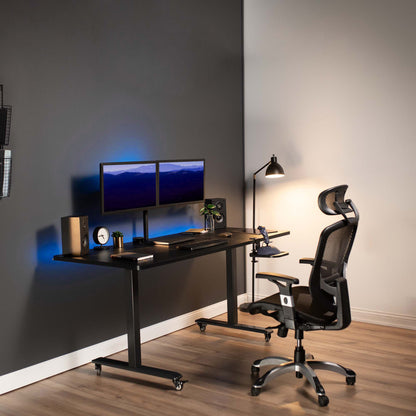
x=116 y=234
x=209 y=209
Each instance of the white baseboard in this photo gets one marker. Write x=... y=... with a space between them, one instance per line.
x=383 y=318
x=370 y=317
x=37 y=372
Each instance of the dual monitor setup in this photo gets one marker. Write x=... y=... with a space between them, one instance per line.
x=129 y=186
x=139 y=186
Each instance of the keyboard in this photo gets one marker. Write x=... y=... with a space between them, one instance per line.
x=199 y=245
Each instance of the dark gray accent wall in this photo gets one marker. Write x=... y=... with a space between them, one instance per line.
x=100 y=81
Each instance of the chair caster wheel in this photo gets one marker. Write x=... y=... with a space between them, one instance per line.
x=202 y=327
x=267 y=336
x=350 y=380
x=178 y=384
x=282 y=331
x=299 y=374
x=255 y=370
x=323 y=401
x=98 y=369
x=255 y=391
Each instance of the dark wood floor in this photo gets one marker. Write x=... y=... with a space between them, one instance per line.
x=217 y=364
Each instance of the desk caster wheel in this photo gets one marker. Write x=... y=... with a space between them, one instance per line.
x=323 y=401
x=202 y=327
x=178 y=384
x=98 y=369
x=267 y=336
x=255 y=391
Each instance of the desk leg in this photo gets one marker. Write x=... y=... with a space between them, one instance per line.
x=232 y=309
x=134 y=344
x=133 y=322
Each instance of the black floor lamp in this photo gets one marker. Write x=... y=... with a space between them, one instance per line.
x=274 y=170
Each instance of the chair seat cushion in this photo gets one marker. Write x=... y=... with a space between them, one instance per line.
x=306 y=309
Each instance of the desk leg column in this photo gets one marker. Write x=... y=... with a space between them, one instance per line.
x=231 y=286
x=133 y=340
x=133 y=322
x=232 y=309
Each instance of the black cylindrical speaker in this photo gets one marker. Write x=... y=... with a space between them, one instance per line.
x=5 y=120
x=75 y=241
x=221 y=219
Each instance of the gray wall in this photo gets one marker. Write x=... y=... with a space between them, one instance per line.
x=330 y=87
x=95 y=81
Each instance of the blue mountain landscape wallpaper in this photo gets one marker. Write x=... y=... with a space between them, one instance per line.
x=181 y=182
x=129 y=186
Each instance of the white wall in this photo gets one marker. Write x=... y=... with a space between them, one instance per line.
x=330 y=87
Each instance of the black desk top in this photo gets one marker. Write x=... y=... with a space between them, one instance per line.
x=167 y=254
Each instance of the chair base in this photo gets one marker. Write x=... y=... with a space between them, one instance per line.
x=302 y=368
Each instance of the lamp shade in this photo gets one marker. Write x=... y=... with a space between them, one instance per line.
x=274 y=170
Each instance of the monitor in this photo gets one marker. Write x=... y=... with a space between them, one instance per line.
x=127 y=186
x=181 y=182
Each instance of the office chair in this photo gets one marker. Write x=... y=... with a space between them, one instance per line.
x=323 y=305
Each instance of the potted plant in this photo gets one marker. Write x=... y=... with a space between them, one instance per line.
x=209 y=211
x=117 y=239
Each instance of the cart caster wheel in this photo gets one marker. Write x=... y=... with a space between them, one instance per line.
x=98 y=369
x=323 y=401
x=267 y=336
x=255 y=370
x=202 y=327
x=255 y=391
x=350 y=380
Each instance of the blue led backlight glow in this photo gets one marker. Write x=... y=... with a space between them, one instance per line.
x=47 y=244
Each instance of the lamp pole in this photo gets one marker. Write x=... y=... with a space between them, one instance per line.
x=254 y=194
x=273 y=170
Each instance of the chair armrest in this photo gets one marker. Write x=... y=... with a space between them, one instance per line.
x=284 y=283
x=277 y=277
x=306 y=260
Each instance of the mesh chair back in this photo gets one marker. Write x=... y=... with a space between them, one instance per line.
x=333 y=251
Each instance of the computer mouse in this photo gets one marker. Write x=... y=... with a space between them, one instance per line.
x=226 y=234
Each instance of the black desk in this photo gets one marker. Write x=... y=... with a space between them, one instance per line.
x=165 y=255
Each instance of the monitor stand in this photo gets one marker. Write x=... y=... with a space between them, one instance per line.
x=145 y=239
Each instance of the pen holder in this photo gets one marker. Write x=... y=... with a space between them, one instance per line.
x=118 y=242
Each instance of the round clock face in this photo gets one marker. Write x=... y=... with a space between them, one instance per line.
x=101 y=235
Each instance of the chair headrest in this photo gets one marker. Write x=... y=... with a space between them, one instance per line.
x=332 y=201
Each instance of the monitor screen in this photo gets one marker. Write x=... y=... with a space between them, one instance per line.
x=127 y=186
x=181 y=182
